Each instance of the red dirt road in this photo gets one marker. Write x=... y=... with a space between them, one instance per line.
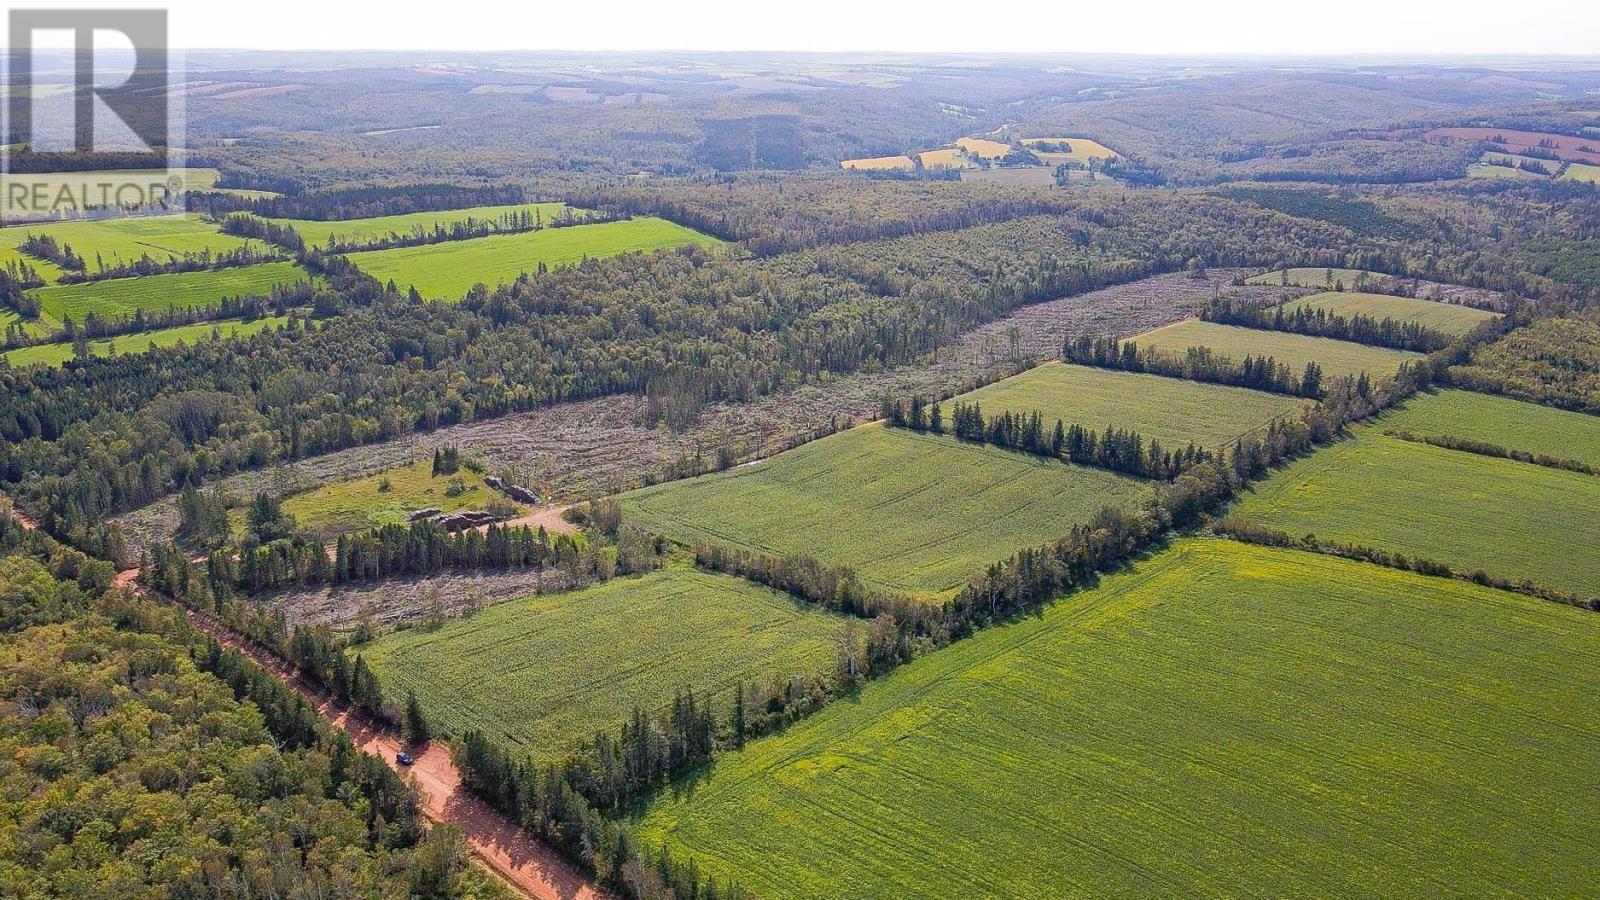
x=509 y=851
x=548 y=516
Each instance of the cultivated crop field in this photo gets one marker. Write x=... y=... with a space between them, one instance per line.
x=1174 y=411
x=1501 y=421
x=911 y=513
x=1511 y=519
x=449 y=270
x=1221 y=720
x=108 y=242
x=361 y=230
x=366 y=502
x=1082 y=150
x=1295 y=350
x=546 y=672
x=56 y=354
x=117 y=297
x=1451 y=318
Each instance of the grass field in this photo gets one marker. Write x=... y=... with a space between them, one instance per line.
x=9 y=254
x=1484 y=170
x=70 y=191
x=983 y=147
x=1313 y=278
x=1451 y=318
x=362 y=230
x=56 y=354
x=356 y=505
x=879 y=162
x=1171 y=410
x=1295 y=350
x=911 y=513
x=113 y=241
x=1223 y=720
x=946 y=158
x=546 y=672
x=1082 y=150
x=34 y=328
x=1582 y=172
x=1509 y=423
x=449 y=270
x=1510 y=519
x=118 y=297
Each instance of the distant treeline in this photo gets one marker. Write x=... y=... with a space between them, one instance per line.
x=470 y=228
x=357 y=202
x=1263 y=373
x=1397 y=334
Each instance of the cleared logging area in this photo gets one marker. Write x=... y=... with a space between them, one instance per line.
x=1197 y=726
x=1511 y=519
x=547 y=672
x=119 y=297
x=911 y=513
x=1174 y=411
x=1502 y=421
x=448 y=270
x=1294 y=350
x=387 y=497
x=1451 y=318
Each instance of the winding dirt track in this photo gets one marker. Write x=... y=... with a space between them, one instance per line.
x=509 y=851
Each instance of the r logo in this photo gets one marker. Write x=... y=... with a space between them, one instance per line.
x=141 y=102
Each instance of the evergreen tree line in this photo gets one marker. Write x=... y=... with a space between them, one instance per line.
x=1319 y=322
x=1117 y=449
x=203 y=260
x=357 y=202
x=1255 y=533
x=46 y=247
x=1263 y=373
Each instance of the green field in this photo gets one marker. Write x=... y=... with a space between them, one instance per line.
x=1314 y=278
x=1510 y=519
x=1295 y=350
x=449 y=270
x=1174 y=411
x=33 y=328
x=352 y=230
x=56 y=354
x=360 y=504
x=911 y=513
x=1581 y=172
x=9 y=254
x=117 y=297
x=1450 y=318
x=107 y=242
x=545 y=673
x=1484 y=170
x=1501 y=421
x=1223 y=720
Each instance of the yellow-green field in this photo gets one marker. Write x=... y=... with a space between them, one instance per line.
x=118 y=297
x=107 y=242
x=1484 y=170
x=545 y=673
x=1511 y=519
x=912 y=513
x=1222 y=720
x=1083 y=150
x=1581 y=172
x=982 y=147
x=946 y=158
x=1174 y=411
x=10 y=256
x=879 y=162
x=363 y=503
x=363 y=230
x=1450 y=318
x=1330 y=279
x=56 y=354
x=1502 y=421
x=448 y=270
x=1295 y=350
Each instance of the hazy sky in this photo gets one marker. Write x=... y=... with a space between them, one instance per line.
x=1193 y=26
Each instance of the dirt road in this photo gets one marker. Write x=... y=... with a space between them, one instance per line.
x=548 y=516
x=506 y=849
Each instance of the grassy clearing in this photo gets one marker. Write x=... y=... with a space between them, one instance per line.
x=108 y=242
x=1511 y=519
x=1083 y=150
x=879 y=162
x=946 y=158
x=118 y=297
x=361 y=230
x=10 y=255
x=363 y=503
x=1335 y=357
x=1171 y=410
x=545 y=673
x=1330 y=279
x=1451 y=318
x=1581 y=172
x=1223 y=720
x=56 y=354
x=1509 y=423
x=72 y=191
x=983 y=148
x=1485 y=170
x=911 y=513
x=33 y=328
x=450 y=269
